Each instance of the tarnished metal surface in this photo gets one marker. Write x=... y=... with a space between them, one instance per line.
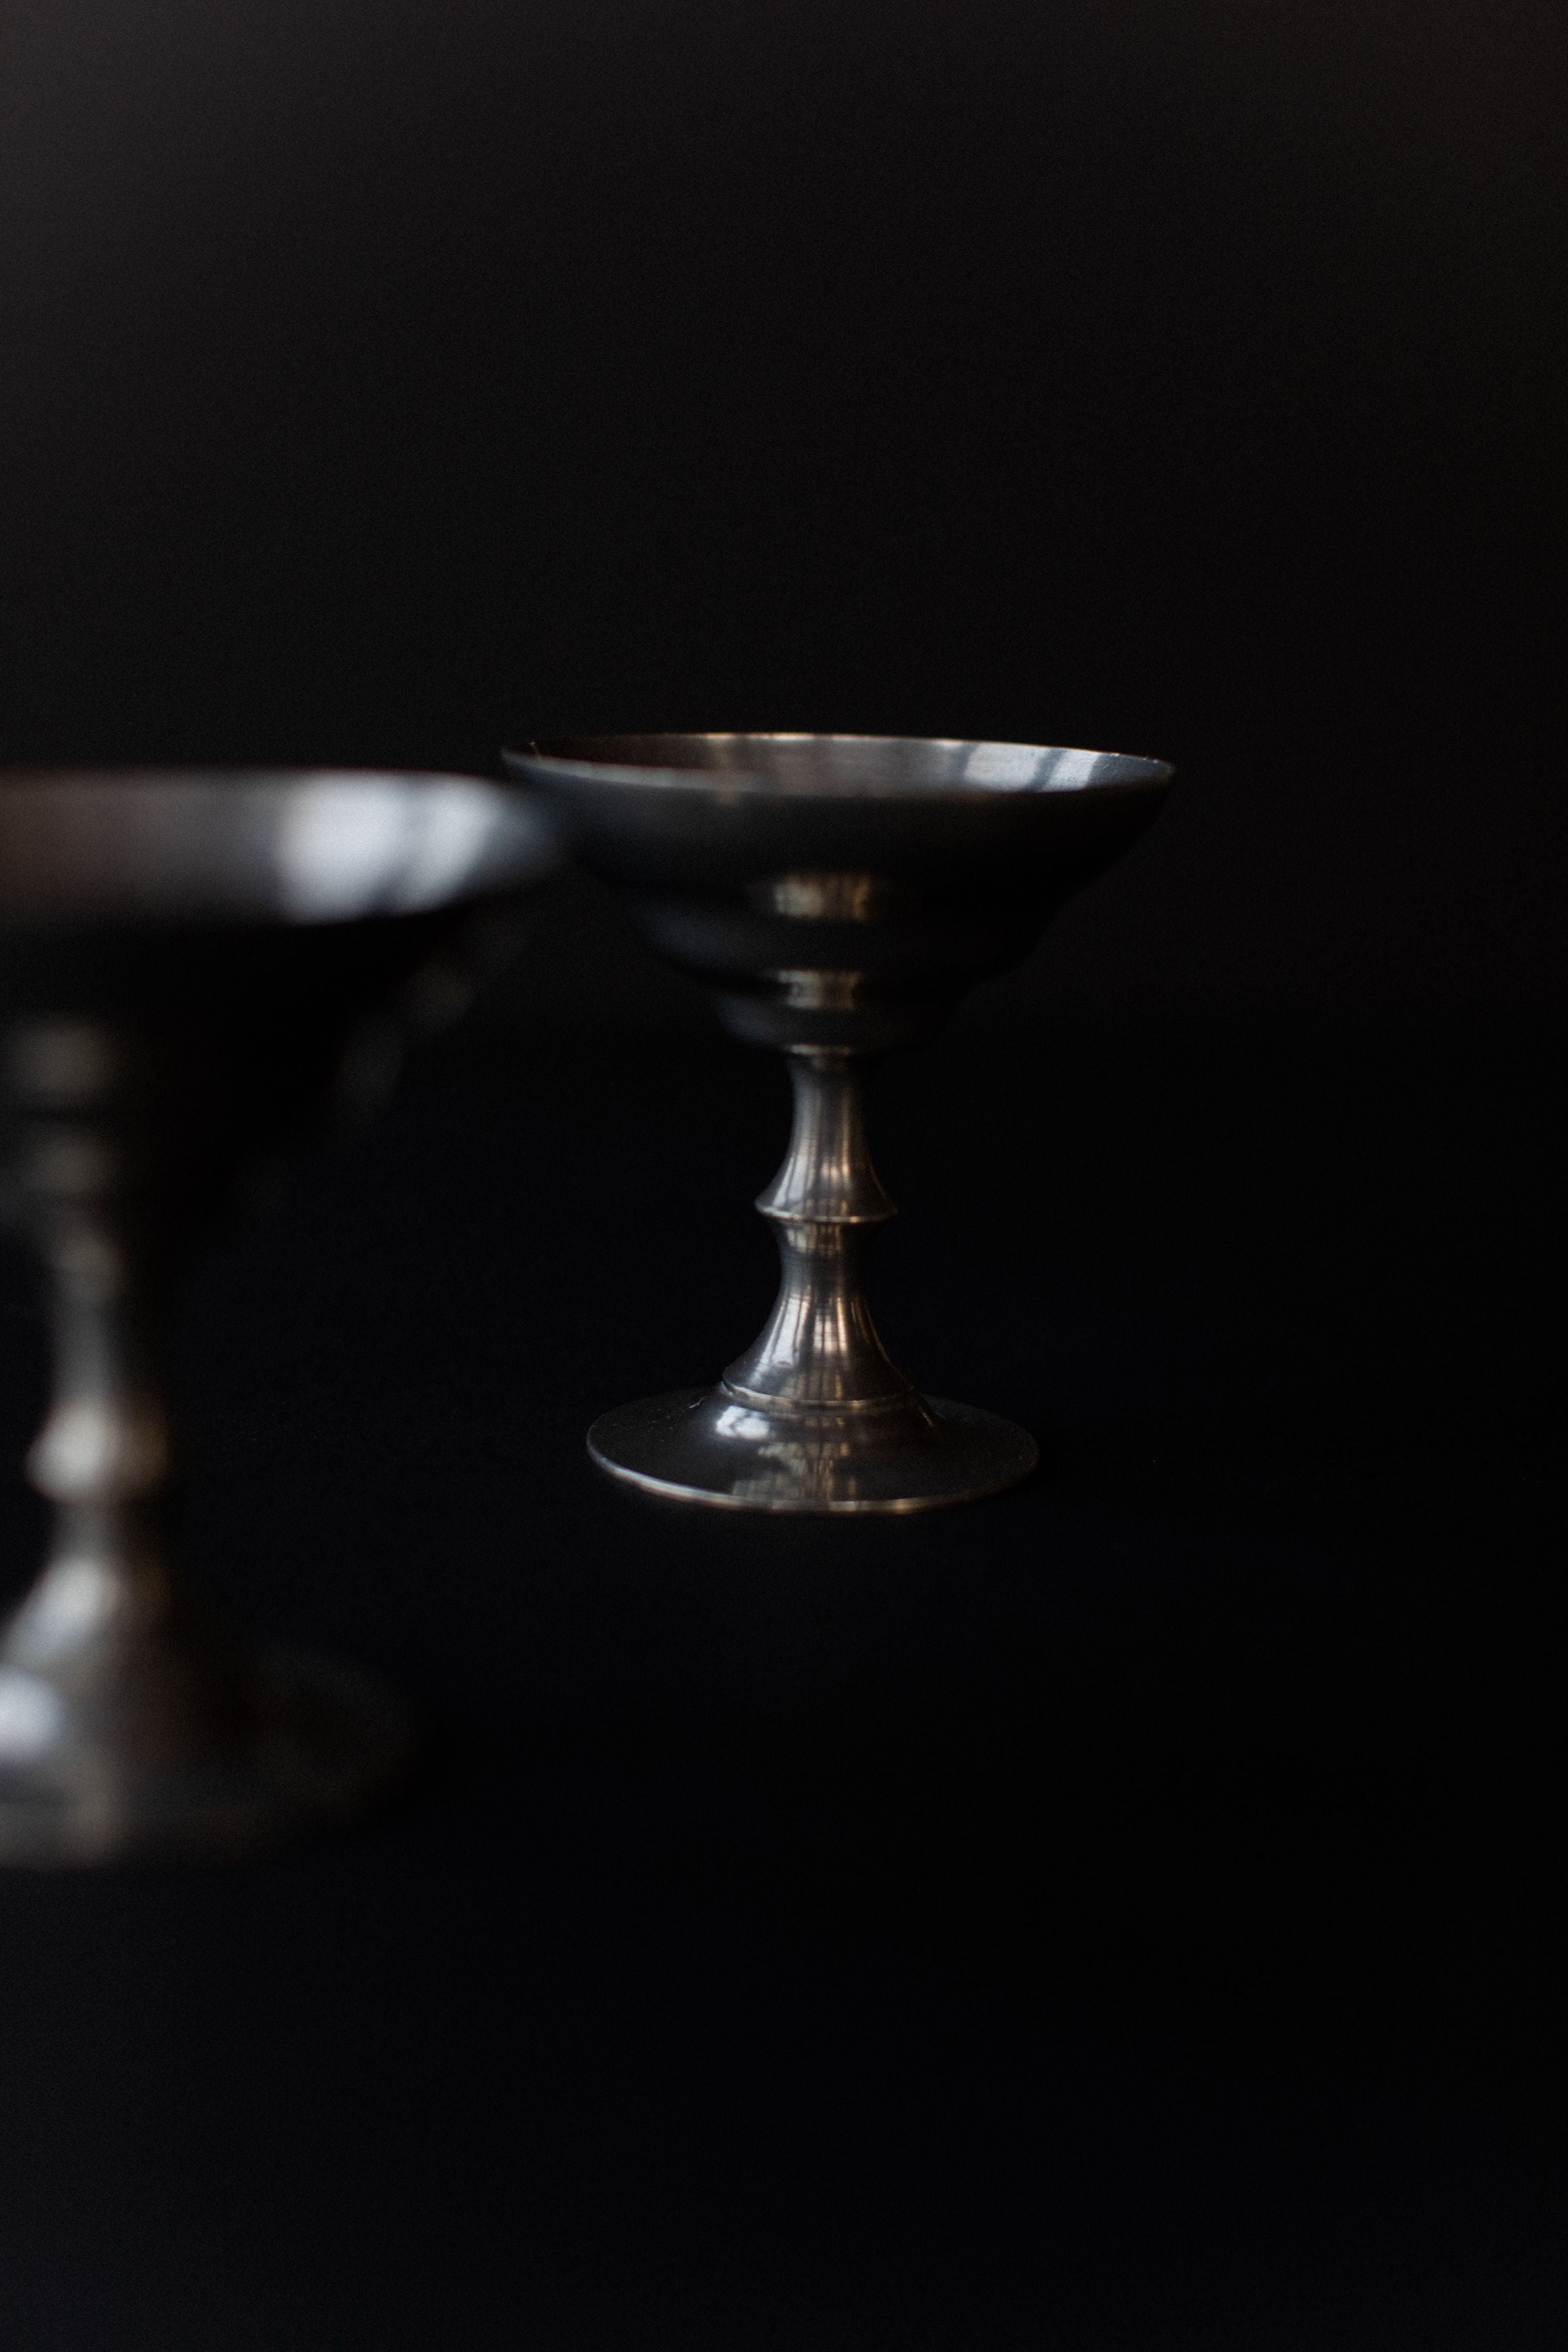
x=838 y=893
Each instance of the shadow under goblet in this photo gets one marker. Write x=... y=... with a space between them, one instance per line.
x=839 y=893
x=184 y=960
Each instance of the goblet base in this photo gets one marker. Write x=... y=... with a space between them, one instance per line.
x=719 y=1446
x=319 y=1743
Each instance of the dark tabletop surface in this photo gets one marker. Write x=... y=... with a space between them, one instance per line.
x=1121 y=1914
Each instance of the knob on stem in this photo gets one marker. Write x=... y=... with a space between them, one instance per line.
x=820 y=1346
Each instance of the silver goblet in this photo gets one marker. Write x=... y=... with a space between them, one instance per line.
x=839 y=893
x=184 y=960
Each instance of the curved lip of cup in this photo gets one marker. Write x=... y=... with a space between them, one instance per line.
x=918 y=769
x=142 y=847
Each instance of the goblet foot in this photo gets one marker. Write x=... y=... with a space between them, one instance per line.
x=715 y=1446
x=311 y=1742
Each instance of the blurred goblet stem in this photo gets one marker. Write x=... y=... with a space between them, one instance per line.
x=820 y=1347
x=102 y=1617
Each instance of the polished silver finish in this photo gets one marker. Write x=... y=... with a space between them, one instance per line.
x=838 y=893
x=184 y=960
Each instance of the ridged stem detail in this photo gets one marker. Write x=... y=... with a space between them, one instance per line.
x=820 y=1347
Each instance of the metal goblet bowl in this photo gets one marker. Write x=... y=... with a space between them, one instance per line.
x=838 y=893
x=183 y=958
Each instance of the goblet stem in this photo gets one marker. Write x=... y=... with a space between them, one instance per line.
x=816 y=1416
x=820 y=1346
x=128 y=1722
x=105 y=1622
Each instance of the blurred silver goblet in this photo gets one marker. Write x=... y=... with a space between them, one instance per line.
x=839 y=893
x=186 y=962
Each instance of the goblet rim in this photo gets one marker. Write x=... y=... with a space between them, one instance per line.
x=155 y=845
x=1132 y=771
x=220 y=776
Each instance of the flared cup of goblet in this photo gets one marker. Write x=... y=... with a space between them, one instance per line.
x=838 y=893
x=183 y=960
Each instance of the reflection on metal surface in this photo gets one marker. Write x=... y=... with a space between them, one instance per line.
x=375 y=845
x=696 y=1447
x=820 y=1346
x=838 y=893
x=834 y=897
x=179 y=969
x=819 y=992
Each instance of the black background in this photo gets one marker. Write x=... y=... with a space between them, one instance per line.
x=1123 y=1914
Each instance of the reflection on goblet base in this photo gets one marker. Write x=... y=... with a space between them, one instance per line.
x=305 y=1741
x=715 y=1446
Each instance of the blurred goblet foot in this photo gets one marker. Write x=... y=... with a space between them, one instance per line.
x=304 y=1742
